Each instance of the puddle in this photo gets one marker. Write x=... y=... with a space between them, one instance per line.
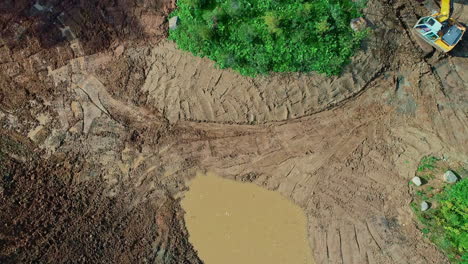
x=231 y=223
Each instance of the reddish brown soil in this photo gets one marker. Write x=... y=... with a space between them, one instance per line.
x=48 y=219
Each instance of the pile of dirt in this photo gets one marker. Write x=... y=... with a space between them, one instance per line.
x=48 y=218
x=98 y=24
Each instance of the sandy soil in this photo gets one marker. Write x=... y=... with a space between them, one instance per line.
x=186 y=88
x=102 y=129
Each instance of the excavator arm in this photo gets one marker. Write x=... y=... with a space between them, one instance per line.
x=445 y=10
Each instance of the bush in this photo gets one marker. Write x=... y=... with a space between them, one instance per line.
x=453 y=218
x=427 y=163
x=262 y=36
x=447 y=223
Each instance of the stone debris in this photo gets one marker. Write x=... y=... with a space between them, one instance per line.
x=424 y=206
x=42 y=8
x=358 y=24
x=173 y=22
x=417 y=181
x=450 y=177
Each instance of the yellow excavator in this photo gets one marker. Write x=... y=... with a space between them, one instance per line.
x=440 y=30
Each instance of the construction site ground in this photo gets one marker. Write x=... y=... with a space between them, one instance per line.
x=103 y=122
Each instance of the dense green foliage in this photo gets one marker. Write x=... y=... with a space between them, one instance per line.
x=447 y=223
x=262 y=36
x=453 y=218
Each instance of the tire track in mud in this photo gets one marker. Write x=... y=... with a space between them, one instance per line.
x=199 y=92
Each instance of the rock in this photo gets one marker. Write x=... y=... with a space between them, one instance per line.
x=173 y=22
x=358 y=24
x=36 y=133
x=424 y=206
x=119 y=50
x=450 y=177
x=417 y=181
x=76 y=109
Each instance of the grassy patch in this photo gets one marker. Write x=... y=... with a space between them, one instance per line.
x=427 y=163
x=446 y=222
x=262 y=36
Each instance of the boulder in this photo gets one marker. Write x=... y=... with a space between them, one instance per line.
x=173 y=22
x=358 y=24
x=417 y=181
x=424 y=206
x=450 y=177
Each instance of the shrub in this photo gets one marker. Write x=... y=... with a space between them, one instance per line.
x=447 y=224
x=427 y=163
x=453 y=217
x=272 y=23
x=262 y=36
x=322 y=26
x=195 y=3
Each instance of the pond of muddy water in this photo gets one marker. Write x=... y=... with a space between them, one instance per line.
x=231 y=222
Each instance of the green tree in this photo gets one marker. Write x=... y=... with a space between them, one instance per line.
x=261 y=36
x=272 y=22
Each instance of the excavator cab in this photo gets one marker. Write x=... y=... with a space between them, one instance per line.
x=440 y=30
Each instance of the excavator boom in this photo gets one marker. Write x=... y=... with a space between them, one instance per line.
x=445 y=10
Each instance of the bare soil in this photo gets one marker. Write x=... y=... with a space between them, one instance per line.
x=103 y=122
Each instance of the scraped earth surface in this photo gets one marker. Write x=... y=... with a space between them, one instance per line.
x=102 y=128
x=183 y=87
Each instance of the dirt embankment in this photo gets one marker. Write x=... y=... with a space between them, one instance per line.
x=48 y=217
x=113 y=120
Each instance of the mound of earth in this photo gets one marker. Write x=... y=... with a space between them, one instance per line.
x=112 y=122
x=47 y=216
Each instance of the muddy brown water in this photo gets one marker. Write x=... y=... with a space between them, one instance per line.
x=233 y=222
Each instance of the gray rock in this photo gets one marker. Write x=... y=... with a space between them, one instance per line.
x=450 y=177
x=424 y=206
x=358 y=24
x=173 y=22
x=417 y=181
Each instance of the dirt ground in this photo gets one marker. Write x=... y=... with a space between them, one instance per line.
x=103 y=122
